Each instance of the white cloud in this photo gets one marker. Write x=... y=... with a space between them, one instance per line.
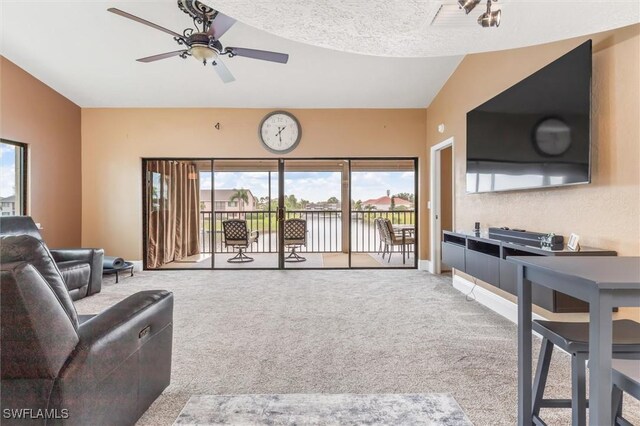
x=7 y=180
x=6 y=148
x=315 y=186
x=367 y=185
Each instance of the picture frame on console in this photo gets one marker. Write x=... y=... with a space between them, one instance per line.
x=573 y=243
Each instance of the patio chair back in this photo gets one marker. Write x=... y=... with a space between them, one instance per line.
x=295 y=232
x=383 y=230
x=235 y=232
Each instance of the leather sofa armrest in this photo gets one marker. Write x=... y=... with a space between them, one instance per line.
x=93 y=256
x=110 y=337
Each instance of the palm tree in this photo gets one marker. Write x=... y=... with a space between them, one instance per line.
x=242 y=195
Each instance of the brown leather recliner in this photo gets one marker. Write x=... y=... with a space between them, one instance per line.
x=81 y=268
x=57 y=368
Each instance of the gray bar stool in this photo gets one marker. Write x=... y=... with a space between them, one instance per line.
x=573 y=337
x=626 y=378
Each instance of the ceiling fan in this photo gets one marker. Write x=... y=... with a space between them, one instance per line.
x=203 y=41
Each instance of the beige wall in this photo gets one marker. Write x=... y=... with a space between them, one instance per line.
x=115 y=140
x=33 y=113
x=605 y=213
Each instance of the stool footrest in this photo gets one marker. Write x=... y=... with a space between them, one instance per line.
x=622 y=422
x=538 y=421
x=557 y=403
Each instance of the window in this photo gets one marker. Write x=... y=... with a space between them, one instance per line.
x=156 y=190
x=233 y=204
x=13 y=178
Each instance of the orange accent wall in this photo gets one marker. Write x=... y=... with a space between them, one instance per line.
x=33 y=113
x=115 y=140
x=605 y=213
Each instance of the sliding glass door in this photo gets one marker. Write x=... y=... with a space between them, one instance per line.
x=383 y=213
x=280 y=213
x=316 y=212
x=244 y=214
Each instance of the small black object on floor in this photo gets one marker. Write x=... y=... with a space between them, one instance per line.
x=127 y=266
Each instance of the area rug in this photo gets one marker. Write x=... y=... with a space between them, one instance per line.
x=323 y=409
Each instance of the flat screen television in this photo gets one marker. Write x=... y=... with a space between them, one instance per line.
x=537 y=133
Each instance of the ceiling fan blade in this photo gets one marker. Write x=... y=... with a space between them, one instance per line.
x=223 y=71
x=220 y=25
x=264 y=55
x=145 y=22
x=161 y=56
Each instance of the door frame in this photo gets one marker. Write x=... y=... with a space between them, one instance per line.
x=281 y=162
x=435 y=220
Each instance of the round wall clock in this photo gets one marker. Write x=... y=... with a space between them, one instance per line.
x=280 y=132
x=552 y=137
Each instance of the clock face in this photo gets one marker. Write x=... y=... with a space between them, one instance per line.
x=280 y=132
x=552 y=137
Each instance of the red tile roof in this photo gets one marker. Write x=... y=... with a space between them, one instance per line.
x=387 y=200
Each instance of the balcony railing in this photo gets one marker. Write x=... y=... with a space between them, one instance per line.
x=324 y=229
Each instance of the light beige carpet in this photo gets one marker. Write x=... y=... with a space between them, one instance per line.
x=338 y=332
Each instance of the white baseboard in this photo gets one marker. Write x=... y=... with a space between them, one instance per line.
x=137 y=265
x=498 y=304
x=424 y=265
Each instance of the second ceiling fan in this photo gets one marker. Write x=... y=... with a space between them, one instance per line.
x=203 y=42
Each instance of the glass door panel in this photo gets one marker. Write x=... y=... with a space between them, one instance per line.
x=316 y=212
x=175 y=219
x=224 y=214
x=245 y=206
x=383 y=222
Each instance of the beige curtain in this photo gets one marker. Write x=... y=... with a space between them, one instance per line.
x=173 y=205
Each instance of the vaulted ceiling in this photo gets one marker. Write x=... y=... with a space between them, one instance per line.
x=420 y=28
x=401 y=59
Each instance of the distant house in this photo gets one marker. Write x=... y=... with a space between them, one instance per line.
x=223 y=201
x=384 y=203
x=8 y=206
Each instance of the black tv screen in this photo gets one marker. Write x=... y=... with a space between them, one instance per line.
x=537 y=133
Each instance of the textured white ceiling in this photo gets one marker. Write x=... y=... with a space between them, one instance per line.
x=403 y=27
x=88 y=55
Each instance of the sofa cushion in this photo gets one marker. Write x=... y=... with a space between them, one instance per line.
x=75 y=273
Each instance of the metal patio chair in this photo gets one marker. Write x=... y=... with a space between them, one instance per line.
x=295 y=236
x=238 y=236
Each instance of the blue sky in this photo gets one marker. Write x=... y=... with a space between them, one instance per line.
x=314 y=186
x=7 y=170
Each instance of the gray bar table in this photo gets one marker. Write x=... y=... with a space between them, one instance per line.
x=603 y=282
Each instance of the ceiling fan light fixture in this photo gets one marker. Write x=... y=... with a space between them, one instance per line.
x=202 y=40
x=203 y=53
x=467 y=5
x=490 y=19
